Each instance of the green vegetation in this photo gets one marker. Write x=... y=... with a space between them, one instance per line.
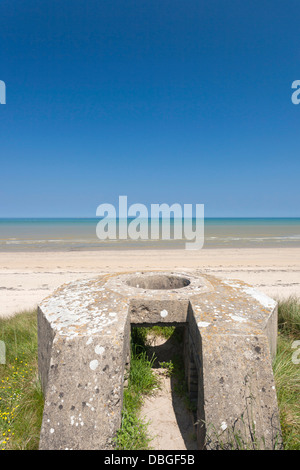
x=141 y=381
x=164 y=331
x=21 y=399
x=175 y=366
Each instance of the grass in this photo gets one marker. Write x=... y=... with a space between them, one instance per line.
x=287 y=372
x=175 y=366
x=142 y=381
x=289 y=317
x=21 y=399
x=133 y=434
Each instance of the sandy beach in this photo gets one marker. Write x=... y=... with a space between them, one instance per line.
x=27 y=278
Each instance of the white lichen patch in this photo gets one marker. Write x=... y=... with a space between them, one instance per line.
x=81 y=307
x=233 y=284
x=262 y=298
x=237 y=318
x=203 y=324
x=223 y=425
x=249 y=355
x=99 y=349
x=94 y=364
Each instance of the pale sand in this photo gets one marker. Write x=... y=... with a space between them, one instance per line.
x=27 y=278
x=170 y=424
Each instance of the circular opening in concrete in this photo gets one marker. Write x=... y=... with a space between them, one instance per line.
x=158 y=282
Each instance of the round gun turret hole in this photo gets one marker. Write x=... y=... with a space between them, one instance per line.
x=158 y=282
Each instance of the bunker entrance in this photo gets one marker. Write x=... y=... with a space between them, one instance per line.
x=168 y=405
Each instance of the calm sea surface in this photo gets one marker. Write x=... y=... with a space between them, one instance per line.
x=76 y=234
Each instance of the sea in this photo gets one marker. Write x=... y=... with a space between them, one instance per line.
x=80 y=234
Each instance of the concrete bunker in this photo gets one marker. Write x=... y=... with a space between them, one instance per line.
x=157 y=282
x=172 y=408
x=230 y=338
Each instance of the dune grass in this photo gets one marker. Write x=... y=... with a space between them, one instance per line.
x=141 y=380
x=21 y=398
x=289 y=317
x=287 y=372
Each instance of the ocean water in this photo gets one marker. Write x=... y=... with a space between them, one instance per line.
x=76 y=234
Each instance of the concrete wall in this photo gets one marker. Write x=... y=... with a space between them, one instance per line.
x=230 y=337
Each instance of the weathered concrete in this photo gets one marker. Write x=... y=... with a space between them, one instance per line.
x=231 y=330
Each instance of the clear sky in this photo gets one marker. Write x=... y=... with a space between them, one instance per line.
x=161 y=100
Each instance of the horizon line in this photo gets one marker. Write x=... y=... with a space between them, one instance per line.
x=131 y=217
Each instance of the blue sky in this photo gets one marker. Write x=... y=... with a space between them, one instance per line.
x=163 y=101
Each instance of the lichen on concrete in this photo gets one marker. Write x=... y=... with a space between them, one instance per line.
x=84 y=331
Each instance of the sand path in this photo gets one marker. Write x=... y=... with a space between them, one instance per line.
x=170 y=423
